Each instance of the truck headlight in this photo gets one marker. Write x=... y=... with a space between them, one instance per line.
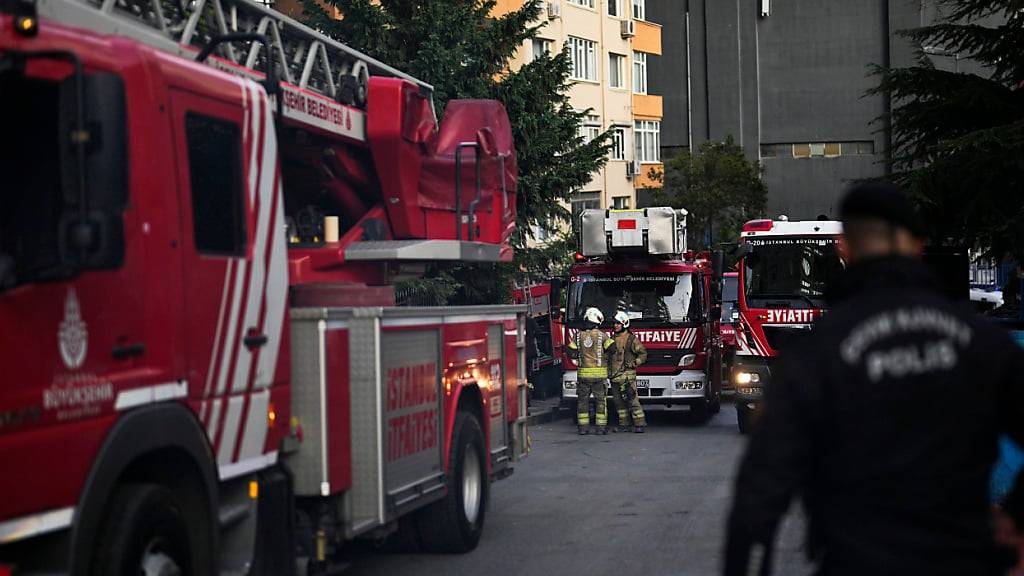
x=742 y=378
x=687 y=359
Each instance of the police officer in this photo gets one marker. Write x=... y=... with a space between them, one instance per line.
x=592 y=348
x=629 y=354
x=885 y=419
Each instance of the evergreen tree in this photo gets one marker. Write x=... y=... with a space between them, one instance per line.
x=718 y=187
x=465 y=52
x=958 y=136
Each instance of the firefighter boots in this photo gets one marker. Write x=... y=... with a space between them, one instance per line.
x=582 y=430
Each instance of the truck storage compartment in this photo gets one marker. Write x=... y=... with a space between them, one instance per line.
x=375 y=389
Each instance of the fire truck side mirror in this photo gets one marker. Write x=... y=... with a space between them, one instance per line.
x=555 y=299
x=94 y=174
x=716 y=273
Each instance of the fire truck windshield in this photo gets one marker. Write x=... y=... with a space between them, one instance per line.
x=645 y=297
x=790 y=272
x=30 y=197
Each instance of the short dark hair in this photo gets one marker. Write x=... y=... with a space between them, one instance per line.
x=882 y=202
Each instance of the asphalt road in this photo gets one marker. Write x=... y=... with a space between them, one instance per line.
x=618 y=505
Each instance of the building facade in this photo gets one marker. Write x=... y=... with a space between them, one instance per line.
x=787 y=79
x=610 y=44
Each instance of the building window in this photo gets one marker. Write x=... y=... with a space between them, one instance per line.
x=590 y=129
x=584 y=201
x=541 y=47
x=619 y=143
x=218 y=191
x=648 y=141
x=818 y=149
x=587 y=3
x=583 y=54
x=640 y=72
x=639 y=9
x=616 y=70
x=615 y=8
x=542 y=234
x=620 y=202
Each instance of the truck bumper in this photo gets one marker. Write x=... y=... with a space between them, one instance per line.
x=665 y=391
x=750 y=376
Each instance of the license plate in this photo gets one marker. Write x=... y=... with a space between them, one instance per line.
x=643 y=383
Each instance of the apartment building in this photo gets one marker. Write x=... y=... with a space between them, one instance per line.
x=610 y=43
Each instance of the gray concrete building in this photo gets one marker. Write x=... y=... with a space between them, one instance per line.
x=787 y=79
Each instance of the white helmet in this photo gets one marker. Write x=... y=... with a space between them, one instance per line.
x=622 y=318
x=594 y=315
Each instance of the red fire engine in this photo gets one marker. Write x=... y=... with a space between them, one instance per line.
x=206 y=370
x=784 y=270
x=636 y=260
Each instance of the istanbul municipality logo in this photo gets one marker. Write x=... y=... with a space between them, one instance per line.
x=73 y=333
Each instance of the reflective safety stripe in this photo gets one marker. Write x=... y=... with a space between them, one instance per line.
x=602 y=419
x=593 y=373
x=608 y=343
x=583 y=419
x=623 y=415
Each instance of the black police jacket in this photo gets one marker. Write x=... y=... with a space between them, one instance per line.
x=885 y=420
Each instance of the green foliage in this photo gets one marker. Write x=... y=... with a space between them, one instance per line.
x=461 y=50
x=958 y=137
x=720 y=189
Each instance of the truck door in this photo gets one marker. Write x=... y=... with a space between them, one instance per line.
x=222 y=169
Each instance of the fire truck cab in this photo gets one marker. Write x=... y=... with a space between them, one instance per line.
x=636 y=261
x=784 y=270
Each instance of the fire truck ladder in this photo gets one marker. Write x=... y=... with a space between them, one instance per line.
x=305 y=58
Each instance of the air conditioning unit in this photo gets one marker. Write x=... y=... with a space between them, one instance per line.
x=628 y=28
x=554 y=9
x=633 y=168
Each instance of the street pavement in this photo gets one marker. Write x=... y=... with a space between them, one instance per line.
x=620 y=505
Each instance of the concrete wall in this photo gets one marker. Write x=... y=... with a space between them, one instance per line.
x=798 y=76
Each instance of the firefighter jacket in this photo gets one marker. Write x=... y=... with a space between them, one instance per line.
x=593 y=348
x=629 y=353
x=885 y=420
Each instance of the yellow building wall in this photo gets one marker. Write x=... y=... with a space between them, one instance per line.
x=648 y=107
x=644 y=180
x=648 y=38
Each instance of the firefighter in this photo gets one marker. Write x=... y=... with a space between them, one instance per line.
x=629 y=354
x=592 y=348
x=884 y=419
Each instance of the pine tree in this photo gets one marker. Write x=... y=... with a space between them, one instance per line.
x=958 y=136
x=464 y=52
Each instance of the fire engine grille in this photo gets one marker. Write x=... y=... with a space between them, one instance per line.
x=780 y=338
x=665 y=357
x=648 y=392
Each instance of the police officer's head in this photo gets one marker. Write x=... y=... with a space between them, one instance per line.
x=879 y=220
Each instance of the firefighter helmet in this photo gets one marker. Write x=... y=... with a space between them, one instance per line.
x=594 y=315
x=622 y=318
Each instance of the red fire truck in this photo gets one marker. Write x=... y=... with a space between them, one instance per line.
x=205 y=369
x=636 y=260
x=543 y=366
x=784 y=270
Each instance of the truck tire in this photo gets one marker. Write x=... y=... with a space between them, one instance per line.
x=700 y=412
x=743 y=418
x=145 y=533
x=455 y=523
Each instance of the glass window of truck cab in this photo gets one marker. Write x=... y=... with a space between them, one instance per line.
x=31 y=204
x=789 y=272
x=656 y=298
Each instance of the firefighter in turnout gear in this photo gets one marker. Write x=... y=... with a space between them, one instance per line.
x=592 y=349
x=629 y=354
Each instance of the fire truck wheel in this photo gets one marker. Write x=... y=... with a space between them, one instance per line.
x=455 y=523
x=700 y=412
x=144 y=534
x=743 y=420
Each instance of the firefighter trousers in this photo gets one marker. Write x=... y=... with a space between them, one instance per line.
x=627 y=405
x=599 y=388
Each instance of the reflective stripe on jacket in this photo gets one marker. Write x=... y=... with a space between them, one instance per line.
x=594 y=347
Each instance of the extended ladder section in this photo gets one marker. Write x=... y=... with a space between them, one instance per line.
x=305 y=60
x=652 y=231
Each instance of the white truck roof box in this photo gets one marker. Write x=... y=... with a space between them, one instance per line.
x=657 y=231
